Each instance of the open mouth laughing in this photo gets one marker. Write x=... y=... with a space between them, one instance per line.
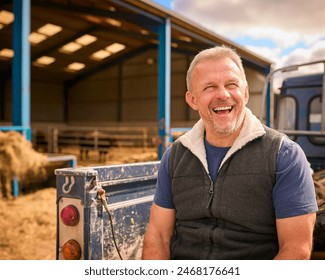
x=223 y=109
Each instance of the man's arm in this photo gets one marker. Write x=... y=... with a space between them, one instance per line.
x=157 y=238
x=295 y=235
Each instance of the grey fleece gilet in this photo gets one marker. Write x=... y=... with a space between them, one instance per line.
x=232 y=218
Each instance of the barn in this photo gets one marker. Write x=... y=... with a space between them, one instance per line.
x=95 y=73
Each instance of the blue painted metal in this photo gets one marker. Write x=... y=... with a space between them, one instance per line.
x=304 y=89
x=268 y=105
x=164 y=73
x=15 y=187
x=25 y=130
x=21 y=66
x=70 y=159
x=268 y=101
x=129 y=190
x=139 y=11
x=20 y=75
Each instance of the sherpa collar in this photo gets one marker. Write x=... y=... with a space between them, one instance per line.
x=194 y=139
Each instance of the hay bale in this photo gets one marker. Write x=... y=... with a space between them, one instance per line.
x=18 y=159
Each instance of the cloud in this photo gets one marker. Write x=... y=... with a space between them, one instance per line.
x=288 y=24
x=291 y=15
x=315 y=52
x=269 y=53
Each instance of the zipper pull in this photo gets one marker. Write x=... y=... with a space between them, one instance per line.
x=211 y=191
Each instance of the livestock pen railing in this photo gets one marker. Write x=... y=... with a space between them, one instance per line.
x=53 y=138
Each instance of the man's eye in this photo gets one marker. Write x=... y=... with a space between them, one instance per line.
x=209 y=88
x=231 y=86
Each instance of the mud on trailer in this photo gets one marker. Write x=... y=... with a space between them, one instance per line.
x=102 y=212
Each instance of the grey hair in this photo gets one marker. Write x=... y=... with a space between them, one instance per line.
x=216 y=52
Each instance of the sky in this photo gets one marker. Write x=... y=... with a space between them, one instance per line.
x=285 y=32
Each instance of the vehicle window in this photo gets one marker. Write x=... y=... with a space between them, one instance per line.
x=286 y=116
x=314 y=120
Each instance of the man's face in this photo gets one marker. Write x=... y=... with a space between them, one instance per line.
x=219 y=93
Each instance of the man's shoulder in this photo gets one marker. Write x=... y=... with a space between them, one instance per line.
x=273 y=132
x=176 y=146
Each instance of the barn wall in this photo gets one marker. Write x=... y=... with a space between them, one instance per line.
x=46 y=102
x=134 y=98
x=96 y=98
x=256 y=84
x=123 y=93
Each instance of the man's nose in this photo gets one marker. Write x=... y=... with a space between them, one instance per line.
x=222 y=93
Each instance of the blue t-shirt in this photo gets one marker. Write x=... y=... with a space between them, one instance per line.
x=293 y=192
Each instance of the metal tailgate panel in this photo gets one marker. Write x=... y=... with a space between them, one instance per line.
x=129 y=191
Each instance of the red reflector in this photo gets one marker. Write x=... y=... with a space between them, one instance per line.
x=71 y=250
x=70 y=215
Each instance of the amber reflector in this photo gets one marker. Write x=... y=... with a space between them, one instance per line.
x=71 y=250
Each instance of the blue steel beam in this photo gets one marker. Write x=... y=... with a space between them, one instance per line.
x=268 y=106
x=21 y=66
x=164 y=61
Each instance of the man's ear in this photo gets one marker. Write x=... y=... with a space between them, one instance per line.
x=191 y=100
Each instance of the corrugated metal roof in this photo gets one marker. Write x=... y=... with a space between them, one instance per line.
x=132 y=23
x=197 y=30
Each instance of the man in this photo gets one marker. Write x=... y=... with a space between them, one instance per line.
x=230 y=188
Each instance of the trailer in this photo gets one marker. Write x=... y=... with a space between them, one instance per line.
x=102 y=212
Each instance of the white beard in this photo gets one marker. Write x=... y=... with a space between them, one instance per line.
x=231 y=128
